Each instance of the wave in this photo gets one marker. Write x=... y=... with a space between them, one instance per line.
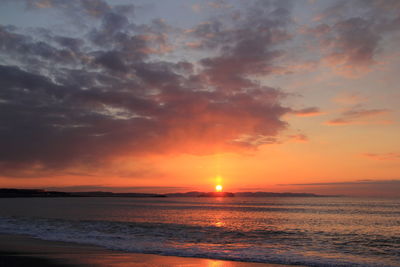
x=266 y=245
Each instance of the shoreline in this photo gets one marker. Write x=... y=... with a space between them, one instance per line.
x=22 y=250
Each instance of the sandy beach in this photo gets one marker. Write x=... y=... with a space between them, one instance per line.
x=18 y=250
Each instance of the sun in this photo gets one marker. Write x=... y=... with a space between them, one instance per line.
x=218 y=188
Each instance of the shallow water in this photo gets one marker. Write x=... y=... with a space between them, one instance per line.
x=307 y=231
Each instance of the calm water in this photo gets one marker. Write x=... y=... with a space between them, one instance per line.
x=308 y=231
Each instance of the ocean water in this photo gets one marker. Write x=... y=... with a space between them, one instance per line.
x=299 y=231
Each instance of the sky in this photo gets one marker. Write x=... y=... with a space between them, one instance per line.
x=174 y=96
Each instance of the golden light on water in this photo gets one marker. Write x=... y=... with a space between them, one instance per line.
x=218 y=188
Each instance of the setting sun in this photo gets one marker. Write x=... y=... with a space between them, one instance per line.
x=218 y=188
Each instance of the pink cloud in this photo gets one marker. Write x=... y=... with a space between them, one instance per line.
x=299 y=138
x=360 y=116
x=382 y=156
x=308 y=112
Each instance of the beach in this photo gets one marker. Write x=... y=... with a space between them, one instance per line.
x=21 y=250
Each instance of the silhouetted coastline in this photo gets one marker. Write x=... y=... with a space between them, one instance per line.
x=18 y=193
x=14 y=193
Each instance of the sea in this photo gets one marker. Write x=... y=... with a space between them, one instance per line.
x=311 y=231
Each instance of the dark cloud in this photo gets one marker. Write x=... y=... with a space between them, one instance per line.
x=248 y=46
x=354 y=42
x=351 y=33
x=248 y=49
x=37 y=54
x=74 y=44
x=112 y=27
x=111 y=60
x=95 y=8
x=113 y=22
x=67 y=101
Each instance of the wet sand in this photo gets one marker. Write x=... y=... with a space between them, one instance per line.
x=17 y=250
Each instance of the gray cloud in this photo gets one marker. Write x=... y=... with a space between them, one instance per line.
x=248 y=49
x=68 y=101
x=351 y=33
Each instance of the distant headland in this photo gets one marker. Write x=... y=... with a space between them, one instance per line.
x=20 y=193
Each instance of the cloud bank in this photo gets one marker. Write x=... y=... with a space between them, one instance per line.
x=107 y=92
